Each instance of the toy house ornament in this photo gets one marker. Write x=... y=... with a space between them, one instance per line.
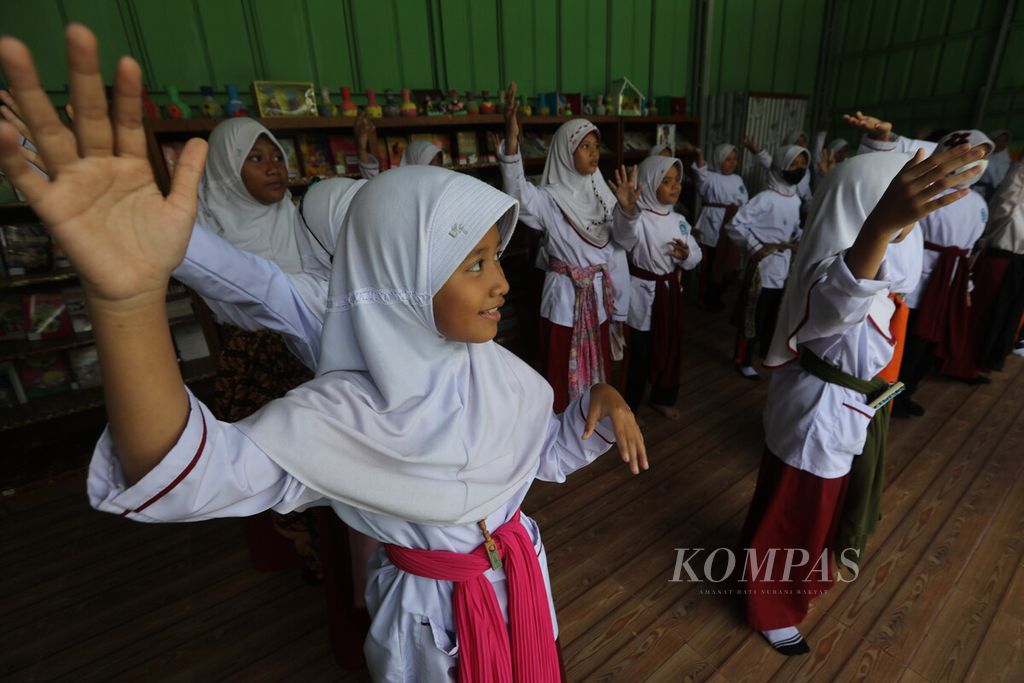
x=627 y=100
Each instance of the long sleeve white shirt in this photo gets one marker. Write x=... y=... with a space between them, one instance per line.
x=716 y=188
x=768 y=218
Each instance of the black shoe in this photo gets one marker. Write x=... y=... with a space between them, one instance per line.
x=914 y=408
x=904 y=406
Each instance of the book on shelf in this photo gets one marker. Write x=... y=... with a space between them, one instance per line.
x=396 y=148
x=189 y=341
x=85 y=367
x=343 y=153
x=291 y=158
x=466 y=148
x=12 y=318
x=46 y=316
x=25 y=248
x=315 y=156
x=179 y=308
x=44 y=374
x=635 y=141
x=11 y=392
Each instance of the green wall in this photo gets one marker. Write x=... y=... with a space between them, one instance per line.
x=918 y=62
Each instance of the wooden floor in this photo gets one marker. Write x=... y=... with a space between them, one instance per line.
x=940 y=597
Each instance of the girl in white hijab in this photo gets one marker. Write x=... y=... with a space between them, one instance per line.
x=821 y=475
x=660 y=244
x=586 y=285
x=722 y=193
x=766 y=229
x=417 y=153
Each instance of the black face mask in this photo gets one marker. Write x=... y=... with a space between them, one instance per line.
x=794 y=177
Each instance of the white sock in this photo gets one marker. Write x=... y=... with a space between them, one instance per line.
x=748 y=371
x=787 y=641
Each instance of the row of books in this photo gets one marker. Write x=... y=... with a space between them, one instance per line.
x=309 y=155
x=26 y=248
x=48 y=373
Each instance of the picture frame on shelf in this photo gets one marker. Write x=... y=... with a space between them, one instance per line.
x=284 y=98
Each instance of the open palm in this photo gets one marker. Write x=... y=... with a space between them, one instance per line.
x=101 y=203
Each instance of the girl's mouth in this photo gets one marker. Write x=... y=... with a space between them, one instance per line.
x=491 y=314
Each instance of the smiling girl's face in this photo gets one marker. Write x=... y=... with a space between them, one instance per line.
x=466 y=306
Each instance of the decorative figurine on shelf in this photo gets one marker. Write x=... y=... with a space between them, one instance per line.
x=149 y=110
x=600 y=109
x=327 y=108
x=176 y=108
x=390 y=105
x=456 y=107
x=408 y=106
x=472 y=106
x=564 y=108
x=487 y=105
x=210 y=108
x=348 y=107
x=524 y=106
x=432 y=107
x=236 y=107
x=588 y=108
x=373 y=110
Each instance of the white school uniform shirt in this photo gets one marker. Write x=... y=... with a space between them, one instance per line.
x=253 y=293
x=718 y=189
x=895 y=143
x=538 y=209
x=214 y=470
x=803 y=188
x=648 y=242
x=813 y=425
x=959 y=224
x=769 y=218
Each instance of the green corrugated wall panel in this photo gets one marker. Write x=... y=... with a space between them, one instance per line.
x=517 y=43
x=630 y=42
x=173 y=40
x=583 y=47
x=787 y=63
x=933 y=20
x=229 y=43
x=332 y=49
x=672 y=63
x=40 y=26
x=733 y=58
x=104 y=17
x=282 y=35
x=809 y=42
x=545 y=44
x=762 y=55
x=470 y=45
x=373 y=28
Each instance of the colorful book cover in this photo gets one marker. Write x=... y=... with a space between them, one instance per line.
x=26 y=248
x=291 y=158
x=466 y=148
x=12 y=319
x=43 y=374
x=46 y=316
x=343 y=154
x=491 y=142
x=315 y=156
x=396 y=148
x=74 y=299
x=85 y=367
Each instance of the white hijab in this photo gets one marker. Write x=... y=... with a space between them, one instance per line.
x=585 y=200
x=400 y=421
x=419 y=153
x=837 y=144
x=652 y=171
x=227 y=208
x=658 y=149
x=783 y=157
x=1006 y=213
x=718 y=156
x=322 y=210
x=841 y=205
x=794 y=135
x=973 y=138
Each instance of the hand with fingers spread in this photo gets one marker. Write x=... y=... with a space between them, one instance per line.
x=876 y=128
x=625 y=188
x=122 y=236
x=511 y=120
x=605 y=401
x=679 y=249
x=917 y=190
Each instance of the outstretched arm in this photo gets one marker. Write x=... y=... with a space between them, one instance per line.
x=120 y=234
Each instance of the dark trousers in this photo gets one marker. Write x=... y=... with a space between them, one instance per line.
x=766 y=315
x=918 y=358
x=637 y=370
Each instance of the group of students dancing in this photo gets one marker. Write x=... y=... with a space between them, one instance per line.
x=423 y=435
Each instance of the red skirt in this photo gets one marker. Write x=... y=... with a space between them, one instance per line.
x=792 y=511
x=556 y=342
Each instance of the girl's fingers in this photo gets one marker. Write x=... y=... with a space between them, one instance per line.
x=17 y=169
x=8 y=99
x=54 y=141
x=187 y=172
x=941 y=167
x=129 y=133
x=11 y=116
x=944 y=200
x=33 y=158
x=92 y=124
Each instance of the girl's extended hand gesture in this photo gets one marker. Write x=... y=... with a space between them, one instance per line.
x=679 y=249
x=876 y=128
x=605 y=401
x=511 y=120
x=101 y=204
x=624 y=187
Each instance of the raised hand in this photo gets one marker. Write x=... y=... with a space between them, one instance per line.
x=101 y=203
x=511 y=120
x=876 y=128
x=605 y=401
x=364 y=130
x=624 y=187
x=679 y=249
x=749 y=144
x=826 y=161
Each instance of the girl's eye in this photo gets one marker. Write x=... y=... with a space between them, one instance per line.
x=476 y=267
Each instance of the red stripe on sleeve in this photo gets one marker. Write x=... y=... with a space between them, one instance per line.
x=177 y=480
